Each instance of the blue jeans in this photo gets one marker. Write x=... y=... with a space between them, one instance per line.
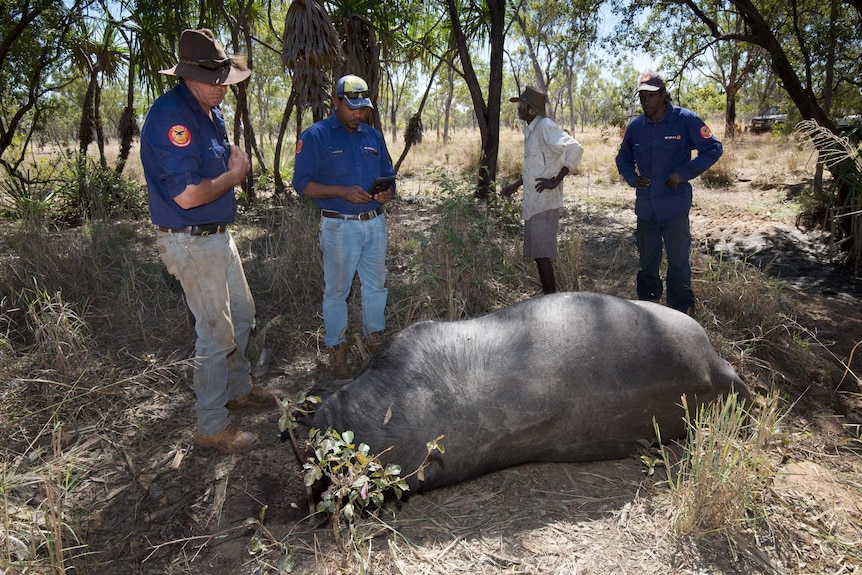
x=675 y=234
x=211 y=274
x=350 y=247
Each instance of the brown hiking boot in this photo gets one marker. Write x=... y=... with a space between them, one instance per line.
x=373 y=342
x=256 y=398
x=231 y=439
x=339 y=368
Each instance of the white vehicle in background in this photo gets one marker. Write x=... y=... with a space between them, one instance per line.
x=767 y=120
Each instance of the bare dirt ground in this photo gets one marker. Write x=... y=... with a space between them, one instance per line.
x=171 y=509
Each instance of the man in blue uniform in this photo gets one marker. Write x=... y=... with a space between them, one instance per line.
x=655 y=158
x=191 y=170
x=337 y=159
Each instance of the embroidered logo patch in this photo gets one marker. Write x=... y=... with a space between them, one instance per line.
x=705 y=132
x=298 y=146
x=180 y=136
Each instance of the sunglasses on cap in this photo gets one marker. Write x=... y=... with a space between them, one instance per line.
x=208 y=64
x=355 y=94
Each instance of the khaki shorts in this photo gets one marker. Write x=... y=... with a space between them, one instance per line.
x=540 y=235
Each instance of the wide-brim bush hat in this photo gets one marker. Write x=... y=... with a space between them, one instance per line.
x=534 y=98
x=202 y=58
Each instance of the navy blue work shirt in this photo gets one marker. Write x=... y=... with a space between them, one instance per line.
x=329 y=153
x=656 y=150
x=180 y=145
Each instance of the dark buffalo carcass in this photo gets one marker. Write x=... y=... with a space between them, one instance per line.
x=564 y=377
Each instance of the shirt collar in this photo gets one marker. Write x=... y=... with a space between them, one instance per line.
x=190 y=99
x=335 y=124
x=665 y=116
x=533 y=123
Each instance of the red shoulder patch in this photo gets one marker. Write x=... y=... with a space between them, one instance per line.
x=298 y=146
x=180 y=136
x=705 y=132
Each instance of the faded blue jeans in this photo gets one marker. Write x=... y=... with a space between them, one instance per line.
x=350 y=247
x=211 y=274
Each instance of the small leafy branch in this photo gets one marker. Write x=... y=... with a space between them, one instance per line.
x=357 y=479
x=651 y=456
x=294 y=408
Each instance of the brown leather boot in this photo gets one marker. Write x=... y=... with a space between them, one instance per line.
x=339 y=368
x=231 y=439
x=374 y=341
x=256 y=398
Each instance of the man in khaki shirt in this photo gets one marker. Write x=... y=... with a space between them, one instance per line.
x=549 y=154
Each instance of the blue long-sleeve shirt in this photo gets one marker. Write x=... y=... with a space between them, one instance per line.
x=656 y=150
x=180 y=145
x=329 y=153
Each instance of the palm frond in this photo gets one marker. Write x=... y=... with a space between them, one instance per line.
x=311 y=48
x=835 y=150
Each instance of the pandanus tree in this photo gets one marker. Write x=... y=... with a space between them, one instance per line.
x=97 y=60
x=311 y=51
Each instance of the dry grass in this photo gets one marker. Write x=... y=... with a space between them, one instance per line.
x=719 y=481
x=96 y=414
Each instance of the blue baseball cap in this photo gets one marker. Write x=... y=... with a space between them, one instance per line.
x=354 y=90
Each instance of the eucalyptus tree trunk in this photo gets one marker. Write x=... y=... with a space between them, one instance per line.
x=487 y=115
x=450 y=96
x=280 y=186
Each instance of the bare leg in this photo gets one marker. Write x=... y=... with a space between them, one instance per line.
x=546 y=275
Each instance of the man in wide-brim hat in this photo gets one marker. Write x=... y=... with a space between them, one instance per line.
x=549 y=154
x=191 y=171
x=536 y=99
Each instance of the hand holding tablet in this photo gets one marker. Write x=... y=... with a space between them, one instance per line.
x=380 y=185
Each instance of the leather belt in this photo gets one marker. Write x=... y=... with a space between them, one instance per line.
x=362 y=217
x=199 y=230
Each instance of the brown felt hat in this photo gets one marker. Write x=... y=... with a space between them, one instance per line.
x=534 y=98
x=202 y=58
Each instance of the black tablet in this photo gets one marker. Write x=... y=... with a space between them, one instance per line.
x=380 y=185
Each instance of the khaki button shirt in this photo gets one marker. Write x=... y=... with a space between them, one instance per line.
x=547 y=148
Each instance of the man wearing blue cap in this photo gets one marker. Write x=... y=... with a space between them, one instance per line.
x=337 y=160
x=655 y=159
